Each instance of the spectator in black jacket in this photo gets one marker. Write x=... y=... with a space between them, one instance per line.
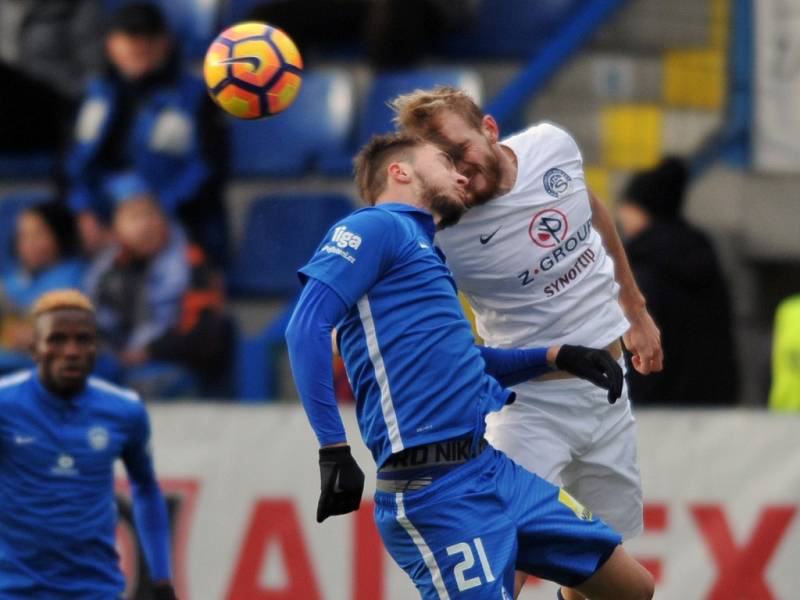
x=678 y=272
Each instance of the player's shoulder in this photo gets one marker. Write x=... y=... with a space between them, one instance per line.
x=370 y=221
x=102 y=387
x=10 y=384
x=542 y=132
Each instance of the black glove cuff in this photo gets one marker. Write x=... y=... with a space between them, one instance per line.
x=566 y=353
x=334 y=453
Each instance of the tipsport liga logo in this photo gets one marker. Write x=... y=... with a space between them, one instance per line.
x=548 y=228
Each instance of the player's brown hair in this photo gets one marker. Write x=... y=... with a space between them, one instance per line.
x=418 y=110
x=61 y=299
x=374 y=158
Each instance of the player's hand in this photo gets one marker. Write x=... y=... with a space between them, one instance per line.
x=341 y=482
x=643 y=341
x=598 y=366
x=163 y=591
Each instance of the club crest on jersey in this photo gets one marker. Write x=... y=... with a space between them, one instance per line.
x=548 y=228
x=98 y=438
x=343 y=238
x=556 y=182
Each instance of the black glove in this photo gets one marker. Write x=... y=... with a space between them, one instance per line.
x=163 y=591
x=598 y=366
x=341 y=482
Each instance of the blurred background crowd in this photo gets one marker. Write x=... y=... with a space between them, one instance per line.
x=119 y=176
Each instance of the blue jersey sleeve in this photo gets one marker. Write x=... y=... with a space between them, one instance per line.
x=149 y=507
x=514 y=365
x=354 y=254
x=308 y=337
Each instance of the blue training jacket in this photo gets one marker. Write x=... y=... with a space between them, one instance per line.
x=165 y=148
x=57 y=507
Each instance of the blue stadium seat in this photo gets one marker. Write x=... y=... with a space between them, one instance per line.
x=281 y=233
x=27 y=166
x=237 y=10
x=292 y=143
x=508 y=29
x=376 y=116
x=195 y=22
x=10 y=206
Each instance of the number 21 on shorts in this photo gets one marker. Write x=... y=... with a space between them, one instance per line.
x=463 y=580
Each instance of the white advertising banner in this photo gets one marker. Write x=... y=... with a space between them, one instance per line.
x=722 y=493
x=776 y=132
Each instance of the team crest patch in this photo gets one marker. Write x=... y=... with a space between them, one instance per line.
x=579 y=509
x=98 y=438
x=556 y=182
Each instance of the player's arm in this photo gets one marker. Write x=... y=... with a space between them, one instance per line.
x=350 y=260
x=515 y=365
x=308 y=337
x=149 y=507
x=643 y=339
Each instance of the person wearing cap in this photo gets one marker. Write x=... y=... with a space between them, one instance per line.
x=146 y=114
x=678 y=271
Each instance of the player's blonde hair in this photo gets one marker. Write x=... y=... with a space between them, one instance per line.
x=417 y=111
x=61 y=299
x=373 y=160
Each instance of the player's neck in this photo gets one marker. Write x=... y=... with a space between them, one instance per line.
x=508 y=170
x=404 y=195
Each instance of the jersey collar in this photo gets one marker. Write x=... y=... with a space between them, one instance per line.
x=50 y=399
x=420 y=215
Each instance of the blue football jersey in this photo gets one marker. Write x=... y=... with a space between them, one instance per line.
x=57 y=506
x=404 y=314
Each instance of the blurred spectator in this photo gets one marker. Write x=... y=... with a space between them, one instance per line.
x=46 y=248
x=47 y=50
x=159 y=306
x=784 y=395
x=149 y=116
x=396 y=33
x=679 y=274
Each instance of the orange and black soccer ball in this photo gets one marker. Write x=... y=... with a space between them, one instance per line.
x=253 y=70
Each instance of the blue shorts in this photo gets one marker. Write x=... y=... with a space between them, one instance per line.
x=464 y=535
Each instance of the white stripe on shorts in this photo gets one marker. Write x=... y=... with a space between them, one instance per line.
x=427 y=555
x=387 y=406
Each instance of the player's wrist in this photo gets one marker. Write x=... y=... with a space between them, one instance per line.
x=552 y=355
x=634 y=306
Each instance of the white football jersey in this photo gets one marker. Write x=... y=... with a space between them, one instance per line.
x=529 y=262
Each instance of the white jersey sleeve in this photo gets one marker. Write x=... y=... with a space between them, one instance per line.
x=529 y=262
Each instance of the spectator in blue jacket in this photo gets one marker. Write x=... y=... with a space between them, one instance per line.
x=46 y=248
x=149 y=116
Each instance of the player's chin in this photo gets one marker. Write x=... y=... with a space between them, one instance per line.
x=477 y=194
x=72 y=376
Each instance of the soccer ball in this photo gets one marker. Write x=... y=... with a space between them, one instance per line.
x=253 y=70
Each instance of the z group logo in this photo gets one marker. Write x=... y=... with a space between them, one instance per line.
x=548 y=228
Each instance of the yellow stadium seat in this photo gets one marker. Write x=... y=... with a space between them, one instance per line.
x=694 y=78
x=631 y=135
x=598 y=180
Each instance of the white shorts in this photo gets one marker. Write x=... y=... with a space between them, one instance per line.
x=566 y=432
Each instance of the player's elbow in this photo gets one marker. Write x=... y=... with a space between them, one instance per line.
x=646 y=588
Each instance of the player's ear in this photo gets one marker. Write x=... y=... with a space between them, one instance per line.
x=400 y=172
x=490 y=128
